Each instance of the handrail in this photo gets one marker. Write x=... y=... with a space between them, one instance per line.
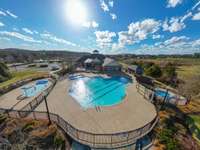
x=38 y=99
x=94 y=140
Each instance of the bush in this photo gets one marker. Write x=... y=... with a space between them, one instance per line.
x=32 y=65
x=2 y=118
x=4 y=72
x=153 y=71
x=59 y=142
x=166 y=137
x=43 y=65
x=169 y=74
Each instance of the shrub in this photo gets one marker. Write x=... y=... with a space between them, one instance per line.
x=4 y=72
x=153 y=71
x=2 y=118
x=43 y=65
x=59 y=142
x=32 y=65
x=166 y=137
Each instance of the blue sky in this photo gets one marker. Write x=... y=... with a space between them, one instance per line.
x=111 y=26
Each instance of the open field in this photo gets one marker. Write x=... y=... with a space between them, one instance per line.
x=21 y=75
x=186 y=72
x=194 y=125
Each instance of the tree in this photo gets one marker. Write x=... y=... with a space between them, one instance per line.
x=169 y=74
x=4 y=72
x=153 y=71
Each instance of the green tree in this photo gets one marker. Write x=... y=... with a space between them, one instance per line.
x=153 y=71
x=169 y=74
x=4 y=72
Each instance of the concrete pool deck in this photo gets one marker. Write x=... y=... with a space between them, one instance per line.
x=10 y=99
x=132 y=113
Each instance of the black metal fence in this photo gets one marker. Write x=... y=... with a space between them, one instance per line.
x=114 y=140
x=37 y=100
x=94 y=140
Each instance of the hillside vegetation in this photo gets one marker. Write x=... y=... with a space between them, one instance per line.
x=4 y=72
x=13 y=55
x=19 y=134
x=21 y=75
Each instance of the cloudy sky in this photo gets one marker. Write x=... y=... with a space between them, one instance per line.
x=111 y=26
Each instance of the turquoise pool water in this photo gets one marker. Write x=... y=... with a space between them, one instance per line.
x=98 y=91
x=162 y=94
x=33 y=90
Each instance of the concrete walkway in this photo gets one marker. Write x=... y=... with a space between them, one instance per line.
x=132 y=113
x=10 y=99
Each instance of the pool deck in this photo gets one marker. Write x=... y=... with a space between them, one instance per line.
x=132 y=113
x=10 y=99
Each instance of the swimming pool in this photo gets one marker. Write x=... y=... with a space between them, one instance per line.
x=33 y=90
x=163 y=94
x=98 y=91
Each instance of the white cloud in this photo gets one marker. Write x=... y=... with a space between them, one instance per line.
x=11 y=14
x=187 y=15
x=104 y=6
x=173 y=25
x=173 y=3
x=2 y=24
x=36 y=32
x=19 y=36
x=196 y=16
x=27 y=30
x=2 y=13
x=104 y=38
x=113 y=16
x=111 y=3
x=175 y=40
x=156 y=36
x=174 y=45
x=91 y=24
x=4 y=38
x=138 y=31
x=196 y=5
x=15 y=29
x=53 y=38
x=196 y=43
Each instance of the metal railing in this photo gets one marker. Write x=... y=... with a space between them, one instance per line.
x=114 y=140
x=37 y=100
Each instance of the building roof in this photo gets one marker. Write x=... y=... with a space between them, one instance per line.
x=95 y=51
x=132 y=67
x=108 y=62
x=96 y=61
x=89 y=60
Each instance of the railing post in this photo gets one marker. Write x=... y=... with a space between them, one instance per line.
x=145 y=90
x=127 y=137
x=31 y=106
x=34 y=115
x=7 y=111
x=58 y=120
x=94 y=140
x=77 y=135
x=111 y=140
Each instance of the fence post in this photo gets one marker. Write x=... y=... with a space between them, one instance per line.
x=31 y=106
x=145 y=90
x=7 y=111
x=111 y=140
x=164 y=99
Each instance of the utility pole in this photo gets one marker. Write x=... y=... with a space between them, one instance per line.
x=166 y=95
x=47 y=108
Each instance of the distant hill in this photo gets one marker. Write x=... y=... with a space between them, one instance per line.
x=13 y=55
